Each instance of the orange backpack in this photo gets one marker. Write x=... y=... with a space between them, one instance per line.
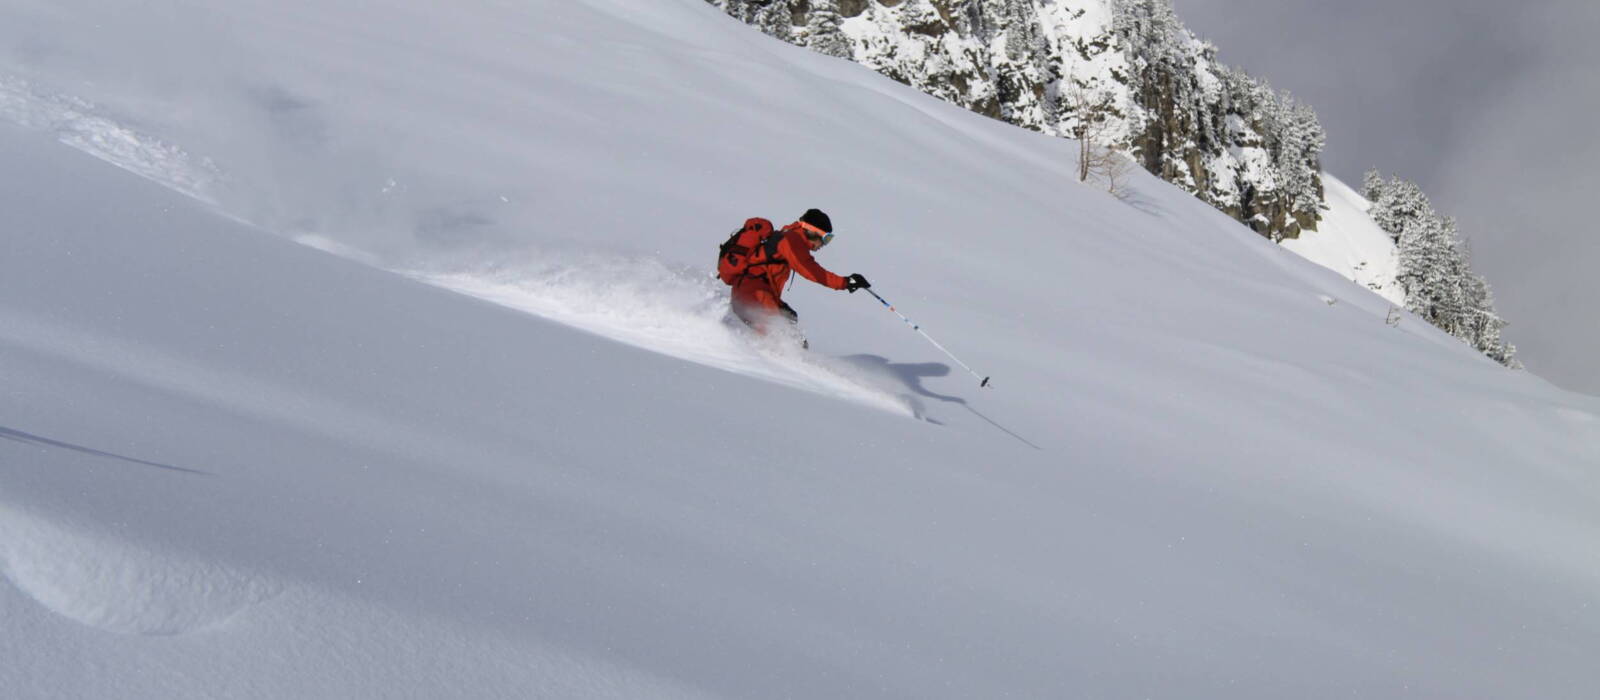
x=735 y=256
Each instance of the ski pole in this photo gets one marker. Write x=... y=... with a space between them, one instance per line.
x=917 y=328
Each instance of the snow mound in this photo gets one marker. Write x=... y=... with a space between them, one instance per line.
x=96 y=580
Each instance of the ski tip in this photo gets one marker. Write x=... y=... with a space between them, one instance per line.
x=983 y=383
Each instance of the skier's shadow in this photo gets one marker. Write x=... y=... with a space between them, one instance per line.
x=911 y=375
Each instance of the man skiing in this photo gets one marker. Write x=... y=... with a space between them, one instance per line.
x=758 y=287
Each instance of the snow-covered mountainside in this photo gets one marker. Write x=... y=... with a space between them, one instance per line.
x=1120 y=74
x=1130 y=83
x=504 y=444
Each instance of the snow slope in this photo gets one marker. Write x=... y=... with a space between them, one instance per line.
x=1350 y=243
x=426 y=467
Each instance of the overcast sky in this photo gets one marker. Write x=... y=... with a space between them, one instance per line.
x=1489 y=105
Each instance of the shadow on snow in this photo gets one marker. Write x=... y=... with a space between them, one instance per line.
x=911 y=374
x=30 y=438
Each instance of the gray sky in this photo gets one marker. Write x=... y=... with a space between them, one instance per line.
x=1489 y=105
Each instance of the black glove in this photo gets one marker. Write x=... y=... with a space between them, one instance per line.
x=854 y=282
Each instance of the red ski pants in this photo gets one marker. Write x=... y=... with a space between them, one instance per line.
x=757 y=304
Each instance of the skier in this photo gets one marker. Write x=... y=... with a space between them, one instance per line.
x=759 y=281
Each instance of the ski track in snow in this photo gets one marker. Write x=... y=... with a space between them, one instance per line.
x=644 y=303
x=669 y=312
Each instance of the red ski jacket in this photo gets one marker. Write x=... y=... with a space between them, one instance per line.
x=793 y=255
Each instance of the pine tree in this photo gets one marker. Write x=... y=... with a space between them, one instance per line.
x=1424 y=265
x=1488 y=325
x=823 y=34
x=772 y=17
x=1396 y=203
x=1149 y=33
x=1372 y=185
x=1301 y=159
x=1181 y=113
x=1435 y=267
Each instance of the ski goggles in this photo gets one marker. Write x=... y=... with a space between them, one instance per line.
x=816 y=234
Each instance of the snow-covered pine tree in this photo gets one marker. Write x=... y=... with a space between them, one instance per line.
x=1487 y=325
x=1448 y=277
x=772 y=17
x=1425 y=264
x=1160 y=76
x=1395 y=203
x=1011 y=60
x=1252 y=113
x=822 y=33
x=1435 y=267
x=1235 y=135
x=1011 y=67
x=1372 y=185
x=1301 y=163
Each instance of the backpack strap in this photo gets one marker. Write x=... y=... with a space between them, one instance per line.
x=769 y=245
x=732 y=247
